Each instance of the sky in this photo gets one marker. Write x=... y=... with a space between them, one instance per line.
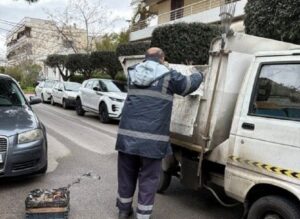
x=15 y=10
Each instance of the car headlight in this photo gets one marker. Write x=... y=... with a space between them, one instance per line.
x=30 y=136
x=116 y=99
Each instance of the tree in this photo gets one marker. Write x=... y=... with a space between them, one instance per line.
x=110 y=42
x=80 y=63
x=106 y=61
x=275 y=19
x=2 y=69
x=91 y=16
x=59 y=62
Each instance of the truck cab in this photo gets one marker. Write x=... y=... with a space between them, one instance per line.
x=263 y=163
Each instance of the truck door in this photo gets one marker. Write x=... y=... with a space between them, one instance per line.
x=267 y=135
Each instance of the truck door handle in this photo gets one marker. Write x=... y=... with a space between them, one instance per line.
x=248 y=126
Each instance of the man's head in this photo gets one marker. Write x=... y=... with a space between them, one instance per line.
x=155 y=54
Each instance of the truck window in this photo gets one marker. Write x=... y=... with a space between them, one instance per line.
x=277 y=92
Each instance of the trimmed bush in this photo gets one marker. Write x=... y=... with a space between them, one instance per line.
x=185 y=43
x=275 y=19
x=107 y=61
x=80 y=63
x=134 y=48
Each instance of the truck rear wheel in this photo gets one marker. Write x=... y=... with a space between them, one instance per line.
x=164 y=181
x=274 y=207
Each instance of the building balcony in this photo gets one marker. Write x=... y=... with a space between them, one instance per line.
x=204 y=11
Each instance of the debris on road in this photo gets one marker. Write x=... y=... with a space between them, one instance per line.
x=54 y=203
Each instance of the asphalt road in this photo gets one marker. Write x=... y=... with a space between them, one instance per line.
x=78 y=145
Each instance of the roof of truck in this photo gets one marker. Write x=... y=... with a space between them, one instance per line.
x=290 y=52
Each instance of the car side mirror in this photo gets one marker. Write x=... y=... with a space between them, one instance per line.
x=96 y=89
x=34 y=100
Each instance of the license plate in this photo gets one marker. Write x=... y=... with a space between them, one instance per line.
x=1 y=158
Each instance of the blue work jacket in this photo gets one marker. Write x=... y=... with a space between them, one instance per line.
x=145 y=124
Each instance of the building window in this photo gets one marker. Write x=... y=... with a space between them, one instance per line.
x=277 y=93
x=176 y=9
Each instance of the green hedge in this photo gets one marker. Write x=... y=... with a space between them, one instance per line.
x=275 y=19
x=106 y=61
x=186 y=43
x=133 y=48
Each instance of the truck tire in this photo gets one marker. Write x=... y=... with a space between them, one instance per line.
x=103 y=113
x=79 y=110
x=274 y=207
x=164 y=181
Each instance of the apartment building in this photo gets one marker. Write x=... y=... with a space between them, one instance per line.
x=34 y=39
x=172 y=11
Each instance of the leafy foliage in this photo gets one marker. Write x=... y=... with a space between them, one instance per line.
x=107 y=61
x=80 y=63
x=2 y=69
x=186 y=43
x=133 y=48
x=275 y=19
x=26 y=73
x=109 y=42
x=59 y=62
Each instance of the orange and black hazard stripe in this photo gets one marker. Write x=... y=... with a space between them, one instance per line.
x=267 y=167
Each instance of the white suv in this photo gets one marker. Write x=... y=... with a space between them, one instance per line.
x=102 y=96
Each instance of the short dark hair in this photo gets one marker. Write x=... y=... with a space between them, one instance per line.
x=159 y=54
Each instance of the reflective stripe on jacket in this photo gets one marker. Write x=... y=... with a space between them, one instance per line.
x=145 y=123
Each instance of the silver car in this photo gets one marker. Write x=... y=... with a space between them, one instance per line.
x=44 y=90
x=23 y=141
x=64 y=93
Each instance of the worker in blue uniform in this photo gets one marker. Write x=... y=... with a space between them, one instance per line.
x=143 y=135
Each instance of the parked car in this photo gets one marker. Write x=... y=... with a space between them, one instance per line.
x=101 y=96
x=65 y=93
x=44 y=90
x=23 y=141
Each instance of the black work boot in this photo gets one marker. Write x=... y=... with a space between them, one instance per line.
x=125 y=214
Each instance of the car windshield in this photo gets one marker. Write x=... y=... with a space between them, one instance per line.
x=72 y=86
x=49 y=84
x=110 y=86
x=121 y=85
x=10 y=94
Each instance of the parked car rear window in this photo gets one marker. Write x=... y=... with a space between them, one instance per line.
x=277 y=93
x=10 y=94
x=49 y=84
x=72 y=86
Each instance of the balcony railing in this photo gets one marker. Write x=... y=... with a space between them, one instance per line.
x=201 y=6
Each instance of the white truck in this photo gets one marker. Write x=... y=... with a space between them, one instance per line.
x=241 y=129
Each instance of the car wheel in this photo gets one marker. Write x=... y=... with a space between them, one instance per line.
x=103 y=113
x=164 y=181
x=42 y=97
x=52 y=101
x=274 y=207
x=64 y=104
x=79 y=110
